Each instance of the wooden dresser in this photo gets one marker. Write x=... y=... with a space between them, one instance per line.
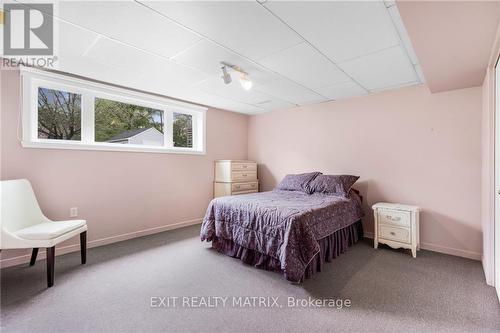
x=235 y=177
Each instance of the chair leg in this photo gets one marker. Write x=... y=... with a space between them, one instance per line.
x=83 y=246
x=33 y=256
x=51 y=251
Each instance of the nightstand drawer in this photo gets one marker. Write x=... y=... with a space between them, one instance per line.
x=394 y=217
x=394 y=233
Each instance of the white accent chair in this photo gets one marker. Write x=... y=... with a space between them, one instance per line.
x=23 y=225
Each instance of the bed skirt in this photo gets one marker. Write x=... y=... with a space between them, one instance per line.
x=330 y=247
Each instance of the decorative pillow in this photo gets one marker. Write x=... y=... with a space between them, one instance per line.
x=333 y=184
x=298 y=182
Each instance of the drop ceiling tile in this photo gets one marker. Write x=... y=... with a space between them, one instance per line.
x=81 y=66
x=223 y=97
x=158 y=82
x=275 y=104
x=73 y=40
x=407 y=84
x=342 y=90
x=129 y=22
x=246 y=109
x=398 y=22
x=225 y=104
x=387 y=68
x=340 y=29
x=219 y=102
x=148 y=68
x=232 y=91
x=243 y=26
x=207 y=56
x=303 y=64
x=288 y=91
x=95 y=70
x=111 y=52
x=162 y=71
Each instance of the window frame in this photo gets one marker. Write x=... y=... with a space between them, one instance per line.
x=32 y=79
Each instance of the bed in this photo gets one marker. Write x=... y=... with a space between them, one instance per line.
x=290 y=232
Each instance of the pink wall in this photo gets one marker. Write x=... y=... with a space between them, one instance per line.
x=408 y=146
x=452 y=39
x=117 y=192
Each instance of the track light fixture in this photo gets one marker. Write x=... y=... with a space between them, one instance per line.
x=245 y=82
x=225 y=75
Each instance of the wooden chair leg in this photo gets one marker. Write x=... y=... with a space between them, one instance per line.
x=33 y=256
x=51 y=252
x=83 y=246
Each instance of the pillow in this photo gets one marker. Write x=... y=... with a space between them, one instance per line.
x=298 y=182
x=333 y=184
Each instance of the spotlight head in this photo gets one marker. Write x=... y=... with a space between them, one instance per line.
x=245 y=82
x=226 y=77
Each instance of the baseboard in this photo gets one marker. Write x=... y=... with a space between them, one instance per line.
x=99 y=242
x=118 y=238
x=442 y=249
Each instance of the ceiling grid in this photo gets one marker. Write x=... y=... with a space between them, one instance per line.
x=296 y=53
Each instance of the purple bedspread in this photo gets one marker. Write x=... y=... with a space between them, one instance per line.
x=282 y=224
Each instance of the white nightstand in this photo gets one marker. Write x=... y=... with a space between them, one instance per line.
x=397 y=226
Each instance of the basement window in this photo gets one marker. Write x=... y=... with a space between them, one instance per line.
x=183 y=130
x=124 y=123
x=63 y=112
x=59 y=115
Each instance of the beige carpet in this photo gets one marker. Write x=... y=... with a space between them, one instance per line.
x=388 y=291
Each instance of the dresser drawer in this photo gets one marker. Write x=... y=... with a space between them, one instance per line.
x=243 y=175
x=394 y=233
x=225 y=189
x=238 y=187
x=245 y=192
x=237 y=166
x=394 y=217
x=235 y=171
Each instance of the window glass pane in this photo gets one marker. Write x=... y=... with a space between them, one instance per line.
x=59 y=115
x=183 y=130
x=122 y=123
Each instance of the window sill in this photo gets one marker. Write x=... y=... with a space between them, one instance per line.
x=110 y=147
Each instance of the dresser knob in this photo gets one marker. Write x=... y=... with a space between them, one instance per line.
x=393 y=233
x=244 y=175
x=397 y=218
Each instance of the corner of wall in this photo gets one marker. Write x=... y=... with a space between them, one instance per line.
x=488 y=163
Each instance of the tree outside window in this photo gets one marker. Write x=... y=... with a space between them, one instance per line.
x=59 y=115
x=183 y=130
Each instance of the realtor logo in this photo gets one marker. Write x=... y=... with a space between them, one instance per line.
x=28 y=29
